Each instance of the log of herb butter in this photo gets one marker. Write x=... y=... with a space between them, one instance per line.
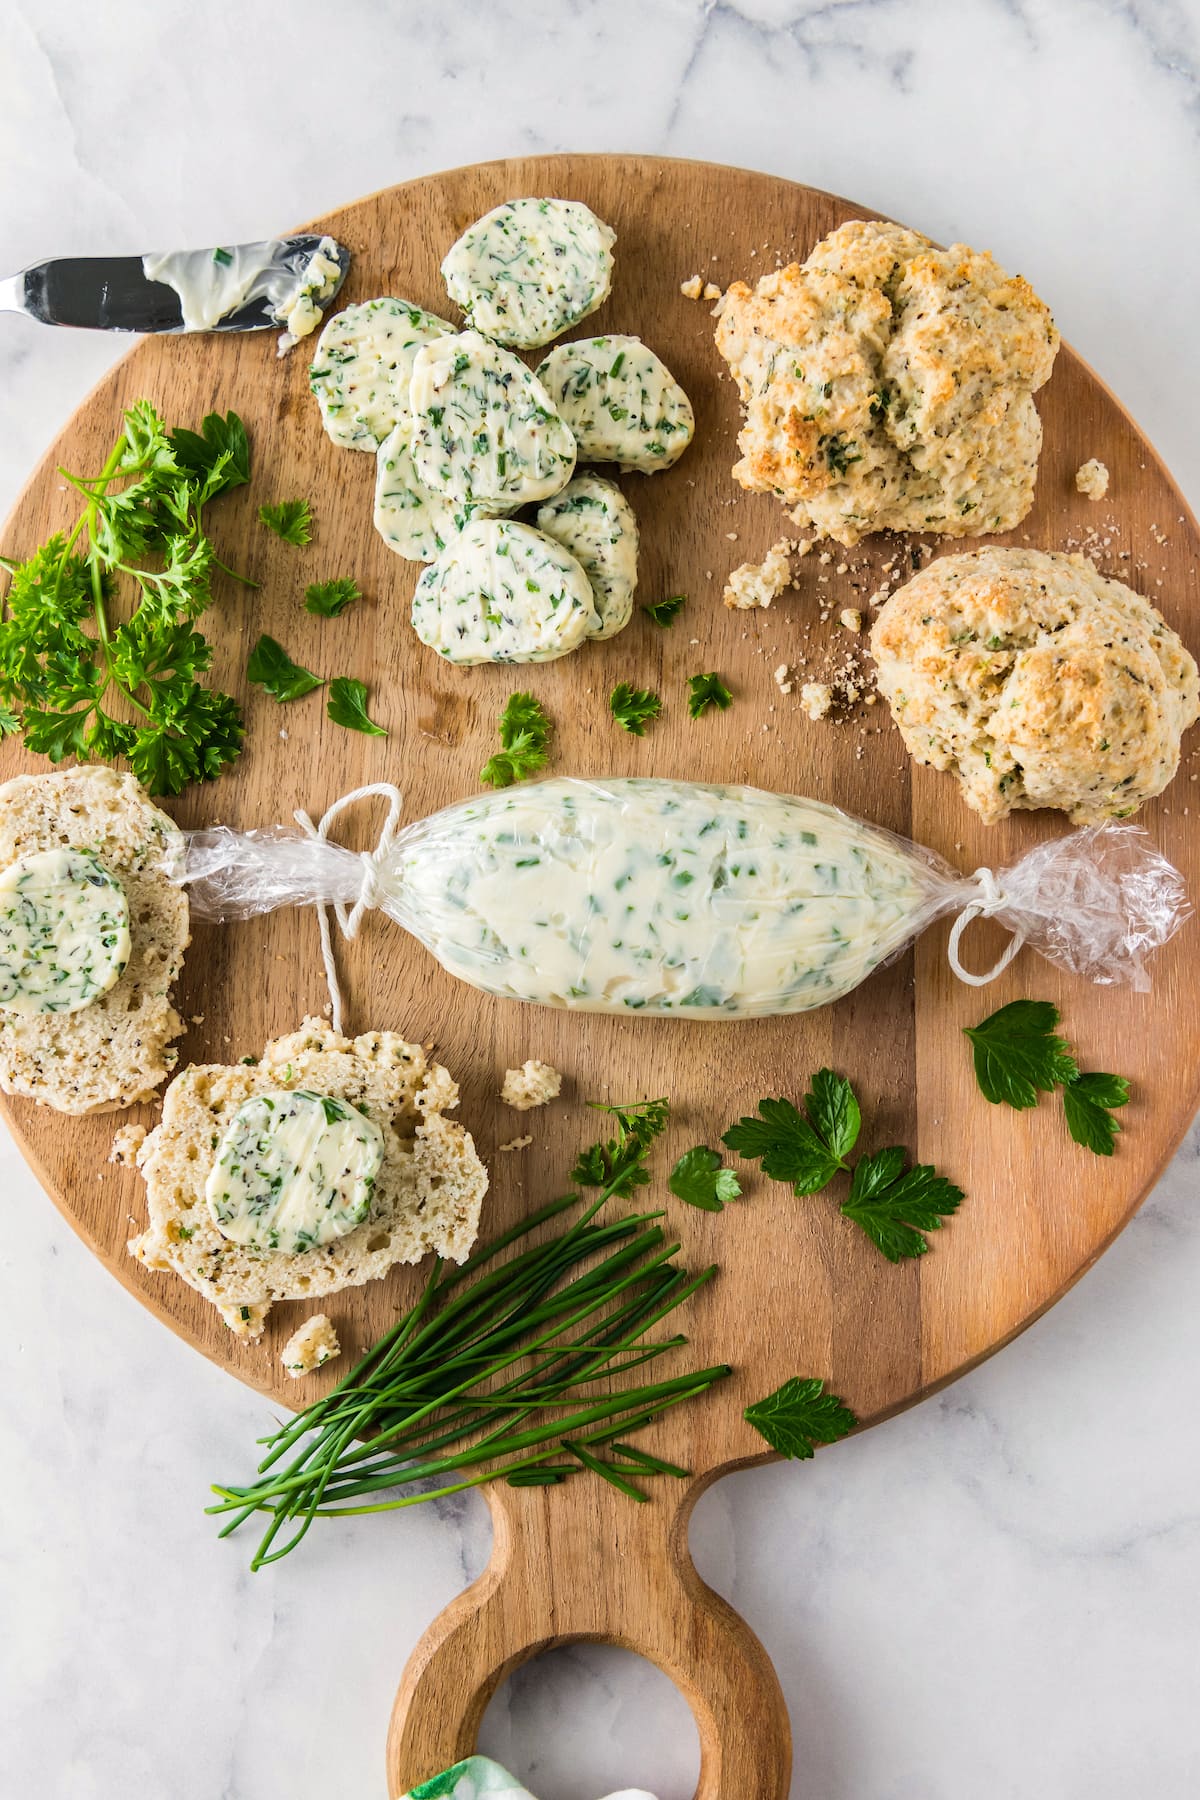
x=671 y=897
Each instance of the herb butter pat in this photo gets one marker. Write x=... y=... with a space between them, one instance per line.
x=502 y=592
x=530 y=269
x=411 y=521
x=622 y=403
x=592 y=520
x=294 y=1170
x=484 y=428
x=362 y=368
x=64 y=932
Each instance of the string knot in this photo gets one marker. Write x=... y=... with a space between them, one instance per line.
x=990 y=898
x=370 y=861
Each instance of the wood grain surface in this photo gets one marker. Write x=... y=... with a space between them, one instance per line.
x=801 y=1290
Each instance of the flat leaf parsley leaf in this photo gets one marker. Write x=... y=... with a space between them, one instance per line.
x=705 y=691
x=525 y=740
x=805 y=1148
x=892 y=1203
x=347 y=705
x=665 y=612
x=798 y=1416
x=272 y=668
x=1017 y=1056
x=699 y=1179
x=218 y=455
x=634 y=708
x=290 y=520
x=329 y=599
x=895 y=1204
x=1087 y=1102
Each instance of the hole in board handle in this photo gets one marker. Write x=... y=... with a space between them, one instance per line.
x=586 y=1720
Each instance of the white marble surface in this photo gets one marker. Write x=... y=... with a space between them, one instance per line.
x=992 y=1596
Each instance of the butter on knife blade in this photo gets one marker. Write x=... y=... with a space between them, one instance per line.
x=240 y=287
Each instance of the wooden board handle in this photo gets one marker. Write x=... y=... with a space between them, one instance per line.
x=604 y=1569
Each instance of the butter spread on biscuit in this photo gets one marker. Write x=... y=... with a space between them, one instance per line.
x=293 y=1170
x=64 y=932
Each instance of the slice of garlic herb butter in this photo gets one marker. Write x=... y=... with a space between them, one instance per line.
x=622 y=403
x=594 y=521
x=293 y=1170
x=64 y=932
x=530 y=269
x=362 y=368
x=411 y=521
x=502 y=592
x=483 y=426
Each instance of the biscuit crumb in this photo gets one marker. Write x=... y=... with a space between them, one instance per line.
x=851 y=618
x=534 y=1084
x=515 y=1144
x=816 y=697
x=126 y=1144
x=757 y=584
x=781 y=679
x=711 y=291
x=310 y=1347
x=691 y=290
x=1092 y=479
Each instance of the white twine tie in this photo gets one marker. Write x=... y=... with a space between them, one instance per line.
x=350 y=918
x=992 y=899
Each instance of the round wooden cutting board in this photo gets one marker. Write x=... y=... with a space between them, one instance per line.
x=801 y=1290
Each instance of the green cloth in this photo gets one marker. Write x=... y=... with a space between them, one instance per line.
x=479 y=1775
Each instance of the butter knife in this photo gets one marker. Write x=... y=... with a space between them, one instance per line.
x=242 y=287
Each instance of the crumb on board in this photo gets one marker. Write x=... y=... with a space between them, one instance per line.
x=519 y=1143
x=712 y=291
x=534 y=1084
x=693 y=288
x=851 y=618
x=311 y=1346
x=126 y=1144
x=757 y=584
x=1092 y=479
x=783 y=679
x=816 y=697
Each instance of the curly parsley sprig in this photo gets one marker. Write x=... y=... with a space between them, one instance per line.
x=634 y=708
x=524 y=743
x=75 y=681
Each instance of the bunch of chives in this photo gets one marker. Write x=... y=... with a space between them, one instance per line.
x=486 y=1376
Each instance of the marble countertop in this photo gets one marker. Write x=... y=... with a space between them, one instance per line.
x=993 y=1595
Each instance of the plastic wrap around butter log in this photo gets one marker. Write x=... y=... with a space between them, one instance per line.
x=700 y=901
